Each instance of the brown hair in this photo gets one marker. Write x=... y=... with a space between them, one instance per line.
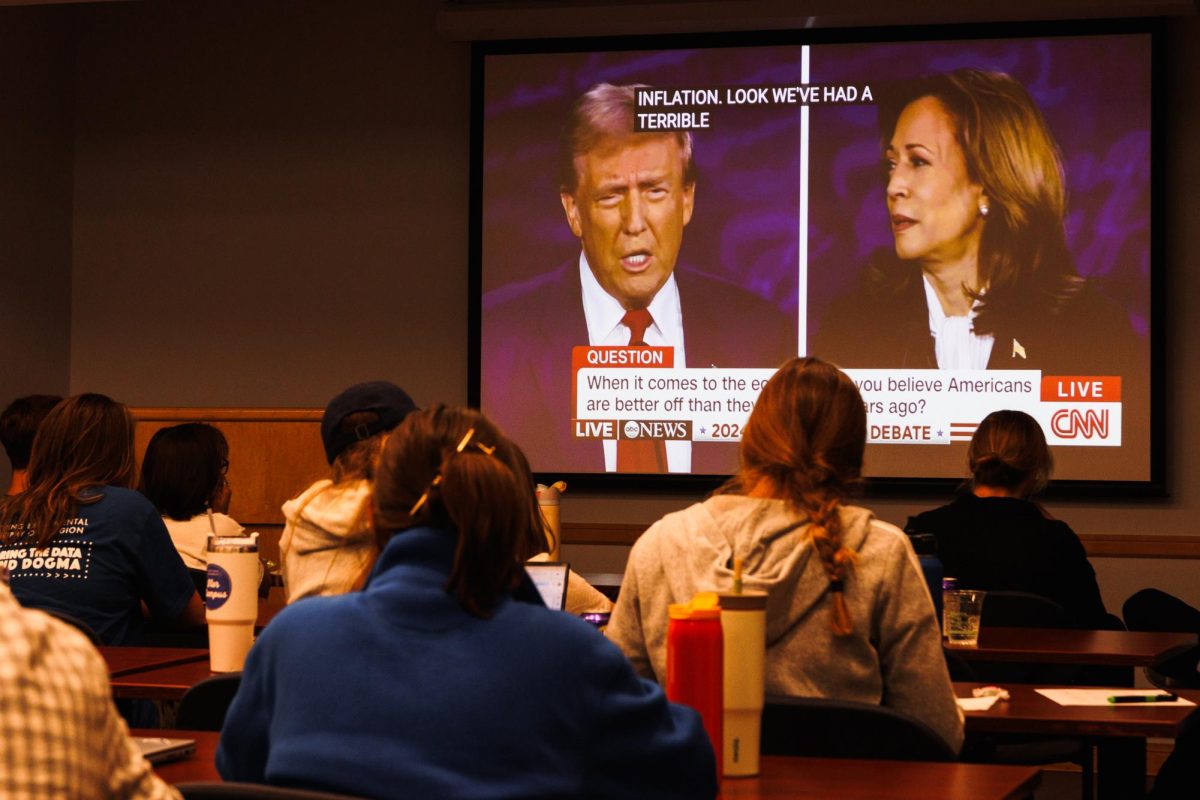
x=804 y=443
x=183 y=468
x=452 y=468
x=357 y=461
x=606 y=112
x=1009 y=451
x=1024 y=263
x=86 y=441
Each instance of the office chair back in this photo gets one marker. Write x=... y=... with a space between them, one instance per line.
x=203 y=706
x=1004 y=609
x=811 y=726
x=1155 y=610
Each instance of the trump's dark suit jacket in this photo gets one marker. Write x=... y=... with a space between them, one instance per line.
x=528 y=331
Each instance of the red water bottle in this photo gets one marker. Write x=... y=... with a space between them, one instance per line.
x=695 y=664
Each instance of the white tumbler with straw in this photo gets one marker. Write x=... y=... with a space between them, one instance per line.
x=744 y=628
x=231 y=599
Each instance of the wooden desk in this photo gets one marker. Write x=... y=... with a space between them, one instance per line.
x=1062 y=646
x=1118 y=732
x=781 y=777
x=126 y=660
x=855 y=779
x=162 y=683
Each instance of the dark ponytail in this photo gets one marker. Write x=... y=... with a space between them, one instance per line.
x=451 y=468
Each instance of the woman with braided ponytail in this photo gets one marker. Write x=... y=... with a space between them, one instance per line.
x=446 y=676
x=848 y=613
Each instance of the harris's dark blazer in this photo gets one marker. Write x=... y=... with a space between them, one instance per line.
x=887 y=327
x=528 y=330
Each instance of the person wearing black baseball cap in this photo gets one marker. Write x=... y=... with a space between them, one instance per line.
x=326 y=546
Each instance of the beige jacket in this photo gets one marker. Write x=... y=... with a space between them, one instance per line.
x=326 y=543
x=894 y=655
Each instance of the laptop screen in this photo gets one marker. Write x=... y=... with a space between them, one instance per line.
x=550 y=578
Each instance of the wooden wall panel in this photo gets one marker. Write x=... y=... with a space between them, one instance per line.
x=274 y=453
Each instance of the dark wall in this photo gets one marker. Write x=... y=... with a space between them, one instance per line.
x=270 y=202
x=37 y=78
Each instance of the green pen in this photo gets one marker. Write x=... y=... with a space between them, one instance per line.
x=1143 y=698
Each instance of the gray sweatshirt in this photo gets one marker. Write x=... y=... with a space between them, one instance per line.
x=894 y=655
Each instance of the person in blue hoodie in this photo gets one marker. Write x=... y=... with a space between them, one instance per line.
x=446 y=676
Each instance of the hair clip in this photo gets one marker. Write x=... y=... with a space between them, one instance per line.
x=437 y=479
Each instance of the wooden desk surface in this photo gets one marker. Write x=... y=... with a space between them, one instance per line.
x=125 y=660
x=1029 y=712
x=858 y=779
x=1061 y=646
x=781 y=776
x=162 y=683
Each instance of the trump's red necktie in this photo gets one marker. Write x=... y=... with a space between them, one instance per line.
x=640 y=455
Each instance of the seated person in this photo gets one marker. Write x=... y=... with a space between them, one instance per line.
x=18 y=423
x=60 y=735
x=582 y=597
x=80 y=541
x=183 y=475
x=326 y=546
x=1155 y=610
x=994 y=537
x=436 y=677
x=848 y=615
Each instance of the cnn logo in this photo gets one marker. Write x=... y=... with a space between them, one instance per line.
x=1072 y=423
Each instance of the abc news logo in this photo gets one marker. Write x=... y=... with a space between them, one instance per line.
x=666 y=429
x=1073 y=423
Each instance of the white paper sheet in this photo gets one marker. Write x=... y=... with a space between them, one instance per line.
x=976 y=703
x=1099 y=697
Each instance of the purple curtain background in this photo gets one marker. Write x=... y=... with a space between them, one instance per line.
x=1094 y=92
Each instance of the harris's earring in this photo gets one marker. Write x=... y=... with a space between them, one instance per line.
x=983 y=208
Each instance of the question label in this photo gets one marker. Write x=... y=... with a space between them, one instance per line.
x=716 y=402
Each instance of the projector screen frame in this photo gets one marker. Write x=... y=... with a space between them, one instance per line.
x=1155 y=486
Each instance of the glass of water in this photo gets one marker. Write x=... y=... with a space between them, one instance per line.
x=963 y=608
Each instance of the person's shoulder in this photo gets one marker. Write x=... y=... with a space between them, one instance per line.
x=563 y=638
x=883 y=535
x=118 y=500
x=934 y=520
x=677 y=526
x=697 y=286
x=1090 y=301
x=29 y=635
x=299 y=621
x=519 y=293
x=225 y=524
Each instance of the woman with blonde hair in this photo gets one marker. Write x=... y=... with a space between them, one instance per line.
x=848 y=614
x=446 y=675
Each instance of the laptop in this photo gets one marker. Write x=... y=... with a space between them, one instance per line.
x=157 y=750
x=550 y=579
